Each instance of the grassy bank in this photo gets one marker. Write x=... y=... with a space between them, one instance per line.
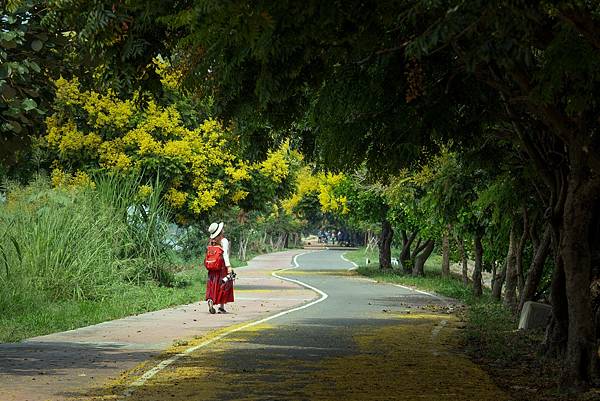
x=48 y=316
x=432 y=281
x=83 y=254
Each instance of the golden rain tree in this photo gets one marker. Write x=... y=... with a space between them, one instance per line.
x=90 y=132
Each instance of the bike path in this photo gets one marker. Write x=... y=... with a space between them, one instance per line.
x=64 y=365
x=362 y=341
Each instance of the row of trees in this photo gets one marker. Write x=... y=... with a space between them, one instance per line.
x=508 y=87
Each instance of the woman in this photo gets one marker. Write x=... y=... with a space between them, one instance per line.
x=217 y=291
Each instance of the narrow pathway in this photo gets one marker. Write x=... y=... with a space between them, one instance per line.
x=65 y=365
x=364 y=341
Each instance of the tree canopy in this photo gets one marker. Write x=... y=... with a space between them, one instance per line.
x=508 y=88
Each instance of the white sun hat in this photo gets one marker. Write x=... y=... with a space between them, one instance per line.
x=215 y=229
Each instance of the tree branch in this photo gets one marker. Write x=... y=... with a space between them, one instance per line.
x=584 y=24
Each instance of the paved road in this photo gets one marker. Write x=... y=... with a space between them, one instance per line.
x=365 y=341
x=65 y=365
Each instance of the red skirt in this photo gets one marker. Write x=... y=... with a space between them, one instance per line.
x=220 y=293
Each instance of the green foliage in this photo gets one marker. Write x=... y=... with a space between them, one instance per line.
x=29 y=54
x=489 y=324
x=34 y=315
x=77 y=244
x=144 y=254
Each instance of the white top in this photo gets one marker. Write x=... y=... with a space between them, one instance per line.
x=225 y=246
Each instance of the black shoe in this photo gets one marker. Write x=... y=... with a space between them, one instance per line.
x=211 y=308
x=222 y=310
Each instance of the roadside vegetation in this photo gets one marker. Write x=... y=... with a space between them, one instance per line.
x=92 y=251
x=81 y=255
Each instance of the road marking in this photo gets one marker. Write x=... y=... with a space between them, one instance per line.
x=271 y=299
x=420 y=292
x=165 y=363
x=354 y=265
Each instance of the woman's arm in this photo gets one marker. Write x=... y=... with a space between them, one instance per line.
x=225 y=246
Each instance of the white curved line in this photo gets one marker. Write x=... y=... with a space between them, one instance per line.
x=354 y=265
x=163 y=364
x=423 y=292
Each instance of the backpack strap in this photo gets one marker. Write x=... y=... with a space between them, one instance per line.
x=212 y=242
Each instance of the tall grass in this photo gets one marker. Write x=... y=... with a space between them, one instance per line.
x=83 y=244
x=144 y=252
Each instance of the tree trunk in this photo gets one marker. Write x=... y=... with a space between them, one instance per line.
x=446 y=253
x=498 y=283
x=536 y=268
x=405 y=255
x=519 y=253
x=582 y=364
x=494 y=272
x=464 y=261
x=421 y=257
x=477 y=285
x=555 y=342
x=510 y=290
x=385 y=245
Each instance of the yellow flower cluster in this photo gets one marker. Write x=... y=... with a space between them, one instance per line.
x=80 y=179
x=122 y=136
x=142 y=141
x=178 y=150
x=207 y=196
x=106 y=110
x=144 y=192
x=169 y=77
x=276 y=166
x=327 y=198
x=67 y=91
x=162 y=122
x=324 y=186
x=175 y=198
x=239 y=195
x=68 y=139
x=306 y=183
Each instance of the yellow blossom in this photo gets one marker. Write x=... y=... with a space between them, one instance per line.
x=59 y=178
x=239 y=173
x=144 y=192
x=169 y=76
x=175 y=198
x=122 y=162
x=178 y=150
x=275 y=166
x=67 y=91
x=239 y=195
x=82 y=180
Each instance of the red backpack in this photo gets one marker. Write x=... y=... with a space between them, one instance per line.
x=214 y=258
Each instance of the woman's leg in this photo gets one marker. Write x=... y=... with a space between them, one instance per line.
x=211 y=308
